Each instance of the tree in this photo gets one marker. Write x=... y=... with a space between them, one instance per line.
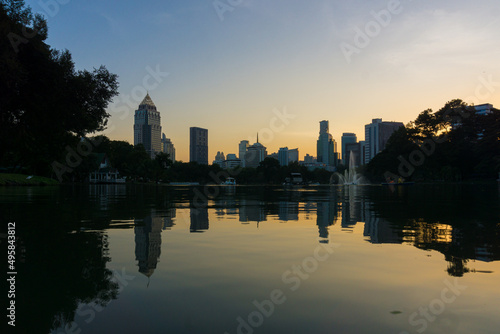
x=453 y=143
x=270 y=167
x=45 y=103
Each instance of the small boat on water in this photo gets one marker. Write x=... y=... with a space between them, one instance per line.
x=229 y=182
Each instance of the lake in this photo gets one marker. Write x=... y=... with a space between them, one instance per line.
x=325 y=259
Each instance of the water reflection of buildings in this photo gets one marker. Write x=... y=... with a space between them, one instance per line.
x=252 y=211
x=288 y=210
x=353 y=208
x=380 y=231
x=148 y=240
x=107 y=194
x=459 y=243
x=356 y=209
x=326 y=216
x=199 y=219
x=384 y=222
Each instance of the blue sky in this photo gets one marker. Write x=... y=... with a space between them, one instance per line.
x=232 y=75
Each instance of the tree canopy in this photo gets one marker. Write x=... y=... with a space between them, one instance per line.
x=46 y=104
x=453 y=143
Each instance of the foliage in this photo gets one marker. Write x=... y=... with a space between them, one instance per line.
x=46 y=104
x=451 y=144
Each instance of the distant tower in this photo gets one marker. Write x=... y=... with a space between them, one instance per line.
x=198 y=145
x=243 y=147
x=255 y=154
x=347 y=138
x=326 y=146
x=147 y=127
x=168 y=147
x=283 y=156
x=377 y=133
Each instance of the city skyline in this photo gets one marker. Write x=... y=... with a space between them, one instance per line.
x=232 y=71
x=147 y=130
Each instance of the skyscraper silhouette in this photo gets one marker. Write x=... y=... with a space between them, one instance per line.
x=147 y=127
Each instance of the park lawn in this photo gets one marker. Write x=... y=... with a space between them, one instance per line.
x=22 y=180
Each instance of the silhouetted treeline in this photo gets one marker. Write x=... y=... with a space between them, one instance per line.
x=134 y=163
x=451 y=144
x=46 y=105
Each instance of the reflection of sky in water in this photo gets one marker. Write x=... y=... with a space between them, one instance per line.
x=196 y=270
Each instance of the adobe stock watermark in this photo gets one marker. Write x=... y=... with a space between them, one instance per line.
x=50 y=9
x=364 y=36
x=89 y=310
x=150 y=82
x=223 y=6
x=292 y=279
x=278 y=122
x=426 y=315
x=75 y=155
x=485 y=89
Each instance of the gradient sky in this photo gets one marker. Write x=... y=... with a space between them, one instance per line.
x=228 y=75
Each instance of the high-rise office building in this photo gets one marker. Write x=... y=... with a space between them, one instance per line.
x=293 y=155
x=198 y=145
x=353 y=150
x=347 y=138
x=309 y=159
x=362 y=152
x=255 y=154
x=326 y=146
x=147 y=127
x=243 y=149
x=168 y=147
x=376 y=136
x=283 y=156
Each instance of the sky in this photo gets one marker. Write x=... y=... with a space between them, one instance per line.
x=278 y=68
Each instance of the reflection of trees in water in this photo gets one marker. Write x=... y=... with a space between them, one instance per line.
x=459 y=221
x=60 y=272
x=60 y=269
x=456 y=266
x=459 y=242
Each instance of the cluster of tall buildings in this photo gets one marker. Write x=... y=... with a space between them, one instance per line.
x=328 y=157
x=147 y=131
x=253 y=155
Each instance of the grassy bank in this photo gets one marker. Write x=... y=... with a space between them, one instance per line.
x=25 y=180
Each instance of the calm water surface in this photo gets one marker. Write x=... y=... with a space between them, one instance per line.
x=159 y=259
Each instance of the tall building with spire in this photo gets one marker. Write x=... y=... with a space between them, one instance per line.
x=147 y=127
x=255 y=154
